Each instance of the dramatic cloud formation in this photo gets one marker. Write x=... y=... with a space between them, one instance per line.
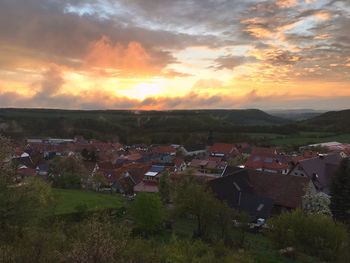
x=174 y=54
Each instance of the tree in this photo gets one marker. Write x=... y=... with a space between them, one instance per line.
x=5 y=148
x=164 y=187
x=340 y=193
x=148 y=212
x=23 y=205
x=85 y=154
x=224 y=217
x=67 y=172
x=90 y=156
x=98 y=179
x=316 y=203
x=6 y=171
x=192 y=198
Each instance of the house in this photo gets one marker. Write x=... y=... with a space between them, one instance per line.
x=208 y=167
x=320 y=170
x=268 y=160
x=179 y=165
x=23 y=160
x=236 y=191
x=224 y=150
x=120 y=179
x=150 y=180
x=284 y=191
x=126 y=178
x=193 y=149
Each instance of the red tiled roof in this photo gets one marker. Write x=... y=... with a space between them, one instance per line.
x=264 y=151
x=136 y=171
x=266 y=158
x=223 y=148
x=164 y=149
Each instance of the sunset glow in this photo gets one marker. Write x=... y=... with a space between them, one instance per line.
x=175 y=54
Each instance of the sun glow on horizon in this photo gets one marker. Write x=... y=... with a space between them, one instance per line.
x=143 y=90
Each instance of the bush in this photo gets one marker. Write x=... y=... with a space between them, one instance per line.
x=317 y=235
x=148 y=213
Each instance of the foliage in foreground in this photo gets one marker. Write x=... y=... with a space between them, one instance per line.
x=340 y=193
x=97 y=240
x=317 y=235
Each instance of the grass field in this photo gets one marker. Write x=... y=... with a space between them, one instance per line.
x=68 y=200
x=300 y=139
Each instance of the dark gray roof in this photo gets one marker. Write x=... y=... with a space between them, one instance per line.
x=321 y=170
x=27 y=161
x=236 y=190
x=284 y=190
x=157 y=168
x=194 y=147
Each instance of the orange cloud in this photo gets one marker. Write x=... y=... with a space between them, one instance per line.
x=322 y=37
x=132 y=59
x=323 y=15
x=286 y=3
x=259 y=32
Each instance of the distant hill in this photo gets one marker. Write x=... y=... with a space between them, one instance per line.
x=338 y=121
x=296 y=115
x=108 y=124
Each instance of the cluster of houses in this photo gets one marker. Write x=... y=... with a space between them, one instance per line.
x=259 y=181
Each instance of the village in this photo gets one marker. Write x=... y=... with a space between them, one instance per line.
x=258 y=181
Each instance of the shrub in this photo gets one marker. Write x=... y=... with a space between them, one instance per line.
x=317 y=235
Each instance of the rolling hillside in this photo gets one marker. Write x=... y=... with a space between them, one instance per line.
x=110 y=124
x=335 y=121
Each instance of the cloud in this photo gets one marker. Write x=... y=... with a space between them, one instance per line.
x=52 y=81
x=231 y=62
x=57 y=36
x=47 y=46
x=130 y=60
x=286 y=3
x=207 y=85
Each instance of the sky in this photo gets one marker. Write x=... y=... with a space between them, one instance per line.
x=175 y=54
